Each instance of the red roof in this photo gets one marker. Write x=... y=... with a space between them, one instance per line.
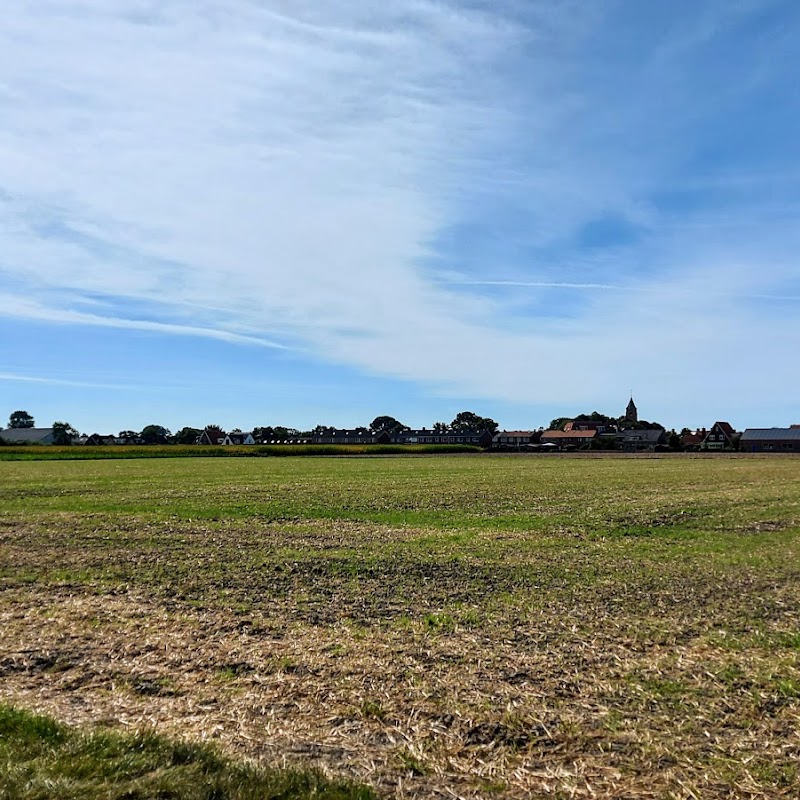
x=569 y=434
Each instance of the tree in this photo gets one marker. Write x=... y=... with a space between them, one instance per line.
x=388 y=424
x=440 y=427
x=128 y=436
x=155 y=434
x=187 y=435
x=468 y=422
x=63 y=433
x=20 y=419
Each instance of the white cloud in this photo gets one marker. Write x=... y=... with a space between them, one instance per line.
x=277 y=173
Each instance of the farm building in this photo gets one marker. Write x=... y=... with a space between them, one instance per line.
x=27 y=435
x=771 y=440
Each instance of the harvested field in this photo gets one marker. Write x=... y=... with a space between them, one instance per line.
x=461 y=626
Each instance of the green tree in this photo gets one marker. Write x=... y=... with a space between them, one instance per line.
x=388 y=424
x=20 y=419
x=155 y=434
x=440 y=427
x=187 y=435
x=468 y=422
x=63 y=433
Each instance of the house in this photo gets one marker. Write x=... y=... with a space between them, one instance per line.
x=722 y=436
x=505 y=439
x=239 y=438
x=584 y=425
x=128 y=438
x=637 y=440
x=343 y=436
x=425 y=436
x=692 y=441
x=27 y=436
x=211 y=436
x=97 y=440
x=768 y=440
x=568 y=439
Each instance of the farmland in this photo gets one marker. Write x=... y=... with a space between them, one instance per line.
x=459 y=625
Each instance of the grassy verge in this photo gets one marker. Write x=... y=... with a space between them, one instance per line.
x=41 y=759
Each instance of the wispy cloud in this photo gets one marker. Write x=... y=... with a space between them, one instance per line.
x=17 y=378
x=281 y=175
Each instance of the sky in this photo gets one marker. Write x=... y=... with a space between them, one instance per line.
x=286 y=212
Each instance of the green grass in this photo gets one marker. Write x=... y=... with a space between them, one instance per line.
x=639 y=616
x=43 y=760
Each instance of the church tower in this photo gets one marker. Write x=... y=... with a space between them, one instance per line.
x=631 y=413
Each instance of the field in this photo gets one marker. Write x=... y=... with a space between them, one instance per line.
x=454 y=626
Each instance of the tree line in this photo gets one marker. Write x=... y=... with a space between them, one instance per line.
x=64 y=433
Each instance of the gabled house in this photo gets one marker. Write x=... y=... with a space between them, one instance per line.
x=239 y=438
x=635 y=440
x=770 y=440
x=97 y=440
x=722 y=436
x=211 y=436
x=27 y=435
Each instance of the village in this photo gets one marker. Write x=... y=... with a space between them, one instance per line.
x=627 y=433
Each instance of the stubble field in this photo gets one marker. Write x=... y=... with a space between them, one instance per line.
x=454 y=626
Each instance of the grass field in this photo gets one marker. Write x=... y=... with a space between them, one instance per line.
x=462 y=626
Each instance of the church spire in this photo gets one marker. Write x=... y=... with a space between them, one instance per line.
x=631 y=412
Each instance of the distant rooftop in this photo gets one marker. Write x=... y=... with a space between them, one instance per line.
x=771 y=434
x=12 y=435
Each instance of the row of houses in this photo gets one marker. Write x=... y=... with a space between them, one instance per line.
x=574 y=436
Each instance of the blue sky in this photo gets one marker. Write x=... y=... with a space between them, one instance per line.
x=269 y=212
